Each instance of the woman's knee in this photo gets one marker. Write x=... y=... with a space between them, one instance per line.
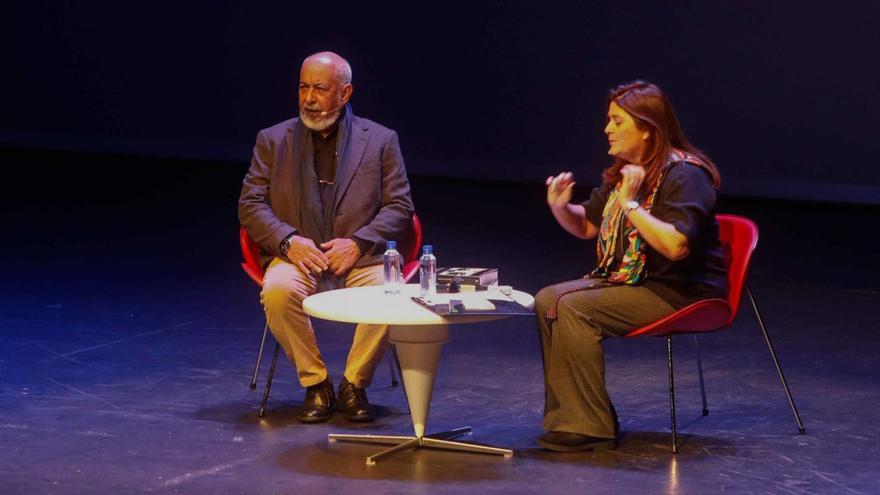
x=544 y=299
x=576 y=317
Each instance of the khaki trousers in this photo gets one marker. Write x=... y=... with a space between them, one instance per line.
x=284 y=289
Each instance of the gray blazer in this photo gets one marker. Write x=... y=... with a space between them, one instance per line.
x=372 y=199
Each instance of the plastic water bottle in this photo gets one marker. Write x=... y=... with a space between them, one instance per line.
x=428 y=272
x=392 y=268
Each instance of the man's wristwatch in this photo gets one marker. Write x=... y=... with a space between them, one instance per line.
x=284 y=246
x=630 y=206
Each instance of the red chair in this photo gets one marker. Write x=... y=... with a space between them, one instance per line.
x=738 y=236
x=408 y=247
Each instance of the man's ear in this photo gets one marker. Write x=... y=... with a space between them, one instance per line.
x=646 y=135
x=347 y=90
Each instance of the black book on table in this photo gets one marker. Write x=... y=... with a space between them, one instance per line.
x=481 y=277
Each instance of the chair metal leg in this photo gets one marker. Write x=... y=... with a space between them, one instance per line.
x=797 y=417
x=700 y=369
x=259 y=356
x=269 y=380
x=671 y=393
x=391 y=371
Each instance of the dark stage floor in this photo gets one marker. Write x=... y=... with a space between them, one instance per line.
x=129 y=332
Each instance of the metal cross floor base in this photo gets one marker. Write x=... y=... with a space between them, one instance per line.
x=436 y=441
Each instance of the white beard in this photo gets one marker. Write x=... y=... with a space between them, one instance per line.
x=322 y=122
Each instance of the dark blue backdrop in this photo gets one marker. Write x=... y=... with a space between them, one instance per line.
x=783 y=96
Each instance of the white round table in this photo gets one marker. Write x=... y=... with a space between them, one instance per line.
x=418 y=335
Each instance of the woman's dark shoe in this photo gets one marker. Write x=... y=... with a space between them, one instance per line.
x=616 y=422
x=563 y=441
x=319 y=403
x=354 y=404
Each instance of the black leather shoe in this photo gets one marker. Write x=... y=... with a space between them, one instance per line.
x=563 y=441
x=319 y=403
x=353 y=403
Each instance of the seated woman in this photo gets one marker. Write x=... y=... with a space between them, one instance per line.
x=658 y=251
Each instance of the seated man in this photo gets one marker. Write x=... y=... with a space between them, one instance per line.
x=323 y=193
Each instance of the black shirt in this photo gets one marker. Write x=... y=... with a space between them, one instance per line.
x=325 y=170
x=325 y=162
x=685 y=199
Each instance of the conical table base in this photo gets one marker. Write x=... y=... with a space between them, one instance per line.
x=418 y=349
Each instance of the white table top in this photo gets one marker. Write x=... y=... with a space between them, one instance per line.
x=372 y=305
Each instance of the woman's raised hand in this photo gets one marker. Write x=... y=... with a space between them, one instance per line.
x=630 y=182
x=559 y=189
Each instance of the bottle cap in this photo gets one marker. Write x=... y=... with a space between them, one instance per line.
x=391 y=245
x=427 y=249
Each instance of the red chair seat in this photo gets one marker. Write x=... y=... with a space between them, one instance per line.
x=707 y=315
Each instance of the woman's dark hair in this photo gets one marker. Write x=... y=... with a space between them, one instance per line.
x=653 y=112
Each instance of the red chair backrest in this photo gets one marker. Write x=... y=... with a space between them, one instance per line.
x=411 y=242
x=250 y=251
x=738 y=236
x=408 y=247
